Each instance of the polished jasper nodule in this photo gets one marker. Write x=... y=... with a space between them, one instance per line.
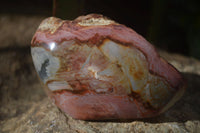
x=95 y=69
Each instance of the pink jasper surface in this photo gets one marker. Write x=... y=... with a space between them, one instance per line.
x=96 y=69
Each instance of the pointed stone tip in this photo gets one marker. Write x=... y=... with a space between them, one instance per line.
x=50 y=24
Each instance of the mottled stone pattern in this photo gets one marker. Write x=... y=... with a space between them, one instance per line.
x=23 y=110
x=92 y=74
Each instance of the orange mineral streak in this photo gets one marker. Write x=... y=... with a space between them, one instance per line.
x=138 y=75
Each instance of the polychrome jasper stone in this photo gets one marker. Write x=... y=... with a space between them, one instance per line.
x=94 y=69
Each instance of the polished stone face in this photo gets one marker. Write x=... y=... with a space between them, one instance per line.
x=93 y=74
x=110 y=68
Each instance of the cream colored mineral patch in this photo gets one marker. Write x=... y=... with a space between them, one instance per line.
x=50 y=24
x=95 y=22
